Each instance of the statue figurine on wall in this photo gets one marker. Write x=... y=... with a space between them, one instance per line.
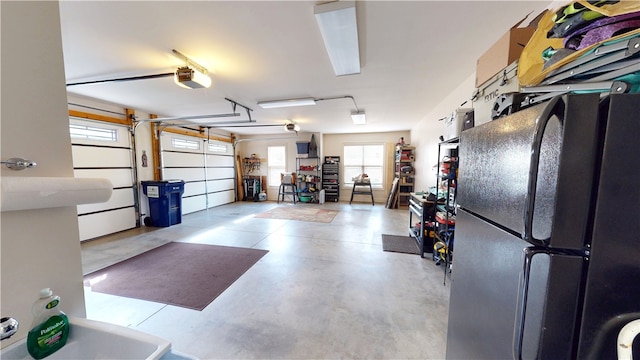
x=401 y=142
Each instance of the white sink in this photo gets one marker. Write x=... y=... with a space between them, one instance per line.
x=90 y=339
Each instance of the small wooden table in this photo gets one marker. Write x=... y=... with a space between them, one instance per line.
x=362 y=188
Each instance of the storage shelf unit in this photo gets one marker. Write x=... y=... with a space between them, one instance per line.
x=331 y=178
x=404 y=171
x=444 y=212
x=422 y=232
x=308 y=177
x=251 y=164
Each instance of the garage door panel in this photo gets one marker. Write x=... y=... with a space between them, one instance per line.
x=171 y=159
x=220 y=173
x=221 y=198
x=220 y=185
x=118 y=177
x=193 y=204
x=100 y=157
x=99 y=224
x=206 y=167
x=194 y=188
x=218 y=160
x=119 y=198
x=186 y=174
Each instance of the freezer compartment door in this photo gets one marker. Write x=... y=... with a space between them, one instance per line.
x=613 y=280
x=491 y=314
x=532 y=172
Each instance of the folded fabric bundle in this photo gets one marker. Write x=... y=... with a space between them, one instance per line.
x=545 y=52
x=571 y=18
x=602 y=29
x=595 y=32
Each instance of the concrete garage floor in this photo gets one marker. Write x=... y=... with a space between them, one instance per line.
x=323 y=290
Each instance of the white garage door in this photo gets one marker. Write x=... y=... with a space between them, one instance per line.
x=206 y=167
x=103 y=150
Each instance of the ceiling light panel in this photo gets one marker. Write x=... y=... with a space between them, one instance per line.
x=286 y=103
x=358 y=118
x=337 y=23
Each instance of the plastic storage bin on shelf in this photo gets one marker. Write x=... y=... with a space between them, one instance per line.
x=165 y=202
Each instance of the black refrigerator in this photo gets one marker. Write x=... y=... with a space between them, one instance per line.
x=546 y=262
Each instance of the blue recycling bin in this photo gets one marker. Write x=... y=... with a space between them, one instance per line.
x=165 y=202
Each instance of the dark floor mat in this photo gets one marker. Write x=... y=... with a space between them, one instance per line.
x=402 y=244
x=181 y=274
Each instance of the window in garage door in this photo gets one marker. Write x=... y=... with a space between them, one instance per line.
x=103 y=150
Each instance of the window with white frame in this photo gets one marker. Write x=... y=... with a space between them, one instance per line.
x=89 y=132
x=182 y=143
x=276 y=164
x=364 y=159
x=217 y=147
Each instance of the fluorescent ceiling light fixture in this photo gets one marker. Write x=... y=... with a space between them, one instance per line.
x=337 y=23
x=358 y=117
x=286 y=103
x=191 y=78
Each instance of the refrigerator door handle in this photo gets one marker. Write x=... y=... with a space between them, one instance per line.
x=555 y=107
x=521 y=305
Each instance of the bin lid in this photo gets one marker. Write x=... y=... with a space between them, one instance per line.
x=162 y=181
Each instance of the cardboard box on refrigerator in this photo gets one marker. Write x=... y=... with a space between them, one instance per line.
x=504 y=52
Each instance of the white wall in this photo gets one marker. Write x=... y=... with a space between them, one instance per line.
x=425 y=134
x=38 y=248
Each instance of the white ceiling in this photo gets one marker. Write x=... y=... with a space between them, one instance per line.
x=412 y=55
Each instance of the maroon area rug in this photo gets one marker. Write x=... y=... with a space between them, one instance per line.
x=181 y=274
